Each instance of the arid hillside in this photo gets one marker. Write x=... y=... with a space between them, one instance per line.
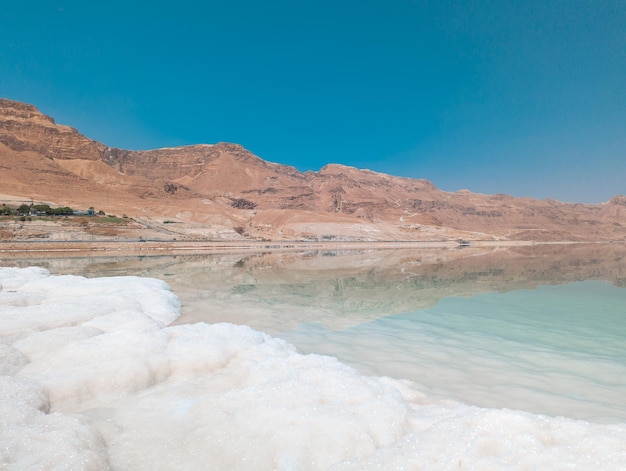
x=224 y=191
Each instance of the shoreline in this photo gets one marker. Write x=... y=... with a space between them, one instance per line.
x=103 y=248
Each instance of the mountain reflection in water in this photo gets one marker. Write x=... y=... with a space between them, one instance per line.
x=275 y=291
x=437 y=317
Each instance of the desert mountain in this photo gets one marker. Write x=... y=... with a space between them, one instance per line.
x=223 y=190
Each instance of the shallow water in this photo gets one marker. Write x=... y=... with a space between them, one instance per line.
x=539 y=329
x=557 y=350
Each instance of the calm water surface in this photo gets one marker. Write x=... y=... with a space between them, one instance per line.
x=541 y=329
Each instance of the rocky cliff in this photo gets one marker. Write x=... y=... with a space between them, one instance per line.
x=223 y=188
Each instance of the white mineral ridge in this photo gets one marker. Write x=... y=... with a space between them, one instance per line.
x=93 y=378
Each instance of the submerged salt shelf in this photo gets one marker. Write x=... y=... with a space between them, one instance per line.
x=93 y=377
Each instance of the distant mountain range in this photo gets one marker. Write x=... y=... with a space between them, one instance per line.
x=223 y=190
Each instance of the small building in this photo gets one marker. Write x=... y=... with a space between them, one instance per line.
x=89 y=212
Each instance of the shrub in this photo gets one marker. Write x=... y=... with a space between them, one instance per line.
x=240 y=203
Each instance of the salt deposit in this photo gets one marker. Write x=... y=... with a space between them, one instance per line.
x=94 y=378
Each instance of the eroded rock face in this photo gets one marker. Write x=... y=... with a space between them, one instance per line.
x=24 y=128
x=227 y=185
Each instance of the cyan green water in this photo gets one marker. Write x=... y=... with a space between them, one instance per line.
x=541 y=329
x=558 y=350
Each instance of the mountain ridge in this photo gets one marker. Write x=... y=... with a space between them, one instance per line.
x=223 y=190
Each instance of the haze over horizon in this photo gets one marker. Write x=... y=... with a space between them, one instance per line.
x=525 y=99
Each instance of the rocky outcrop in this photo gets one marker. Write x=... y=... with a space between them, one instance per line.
x=226 y=185
x=24 y=128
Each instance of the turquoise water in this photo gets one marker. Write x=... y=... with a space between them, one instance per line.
x=557 y=350
x=541 y=329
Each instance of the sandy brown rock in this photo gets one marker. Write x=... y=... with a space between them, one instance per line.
x=224 y=191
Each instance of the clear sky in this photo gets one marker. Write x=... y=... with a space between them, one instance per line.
x=522 y=97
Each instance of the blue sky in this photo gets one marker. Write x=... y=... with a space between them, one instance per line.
x=525 y=97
